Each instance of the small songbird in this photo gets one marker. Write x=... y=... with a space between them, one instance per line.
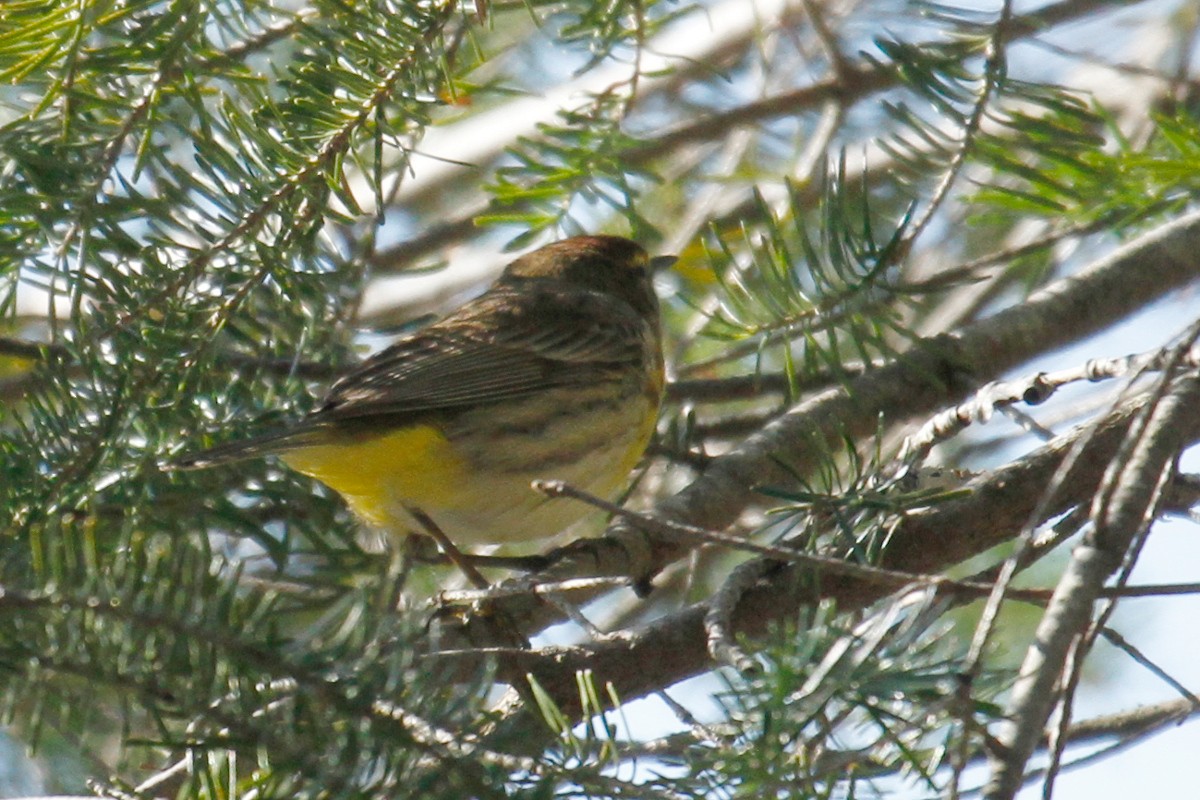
x=556 y=372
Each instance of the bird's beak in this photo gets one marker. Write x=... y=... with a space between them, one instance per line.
x=661 y=262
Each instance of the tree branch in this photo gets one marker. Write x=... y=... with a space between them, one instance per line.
x=657 y=654
x=849 y=85
x=1122 y=509
x=934 y=373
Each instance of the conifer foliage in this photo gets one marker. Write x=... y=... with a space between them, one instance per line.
x=886 y=516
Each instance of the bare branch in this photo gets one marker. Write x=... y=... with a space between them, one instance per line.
x=1122 y=509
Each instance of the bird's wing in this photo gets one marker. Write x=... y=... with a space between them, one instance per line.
x=492 y=350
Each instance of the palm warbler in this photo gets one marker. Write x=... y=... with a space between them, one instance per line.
x=555 y=372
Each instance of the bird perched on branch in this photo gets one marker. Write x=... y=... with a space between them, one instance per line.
x=555 y=372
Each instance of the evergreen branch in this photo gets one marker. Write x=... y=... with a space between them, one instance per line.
x=993 y=77
x=283 y=200
x=1127 y=741
x=1127 y=647
x=163 y=76
x=436 y=742
x=851 y=85
x=1129 y=725
x=331 y=151
x=752 y=387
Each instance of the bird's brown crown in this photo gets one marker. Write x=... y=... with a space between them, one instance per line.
x=582 y=259
x=610 y=264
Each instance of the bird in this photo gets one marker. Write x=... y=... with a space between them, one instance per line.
x=555 y=372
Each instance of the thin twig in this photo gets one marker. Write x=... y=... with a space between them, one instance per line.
x=512 y=589
x=1123 y=644
x=1033 y=390
x=448 y=547
x=690 y=533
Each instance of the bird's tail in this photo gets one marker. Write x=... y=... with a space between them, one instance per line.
x=265 y=444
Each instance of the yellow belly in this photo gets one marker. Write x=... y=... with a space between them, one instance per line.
x=416 y=464
x=478 y=489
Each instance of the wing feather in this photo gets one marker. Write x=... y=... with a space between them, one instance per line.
x=491 y=351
